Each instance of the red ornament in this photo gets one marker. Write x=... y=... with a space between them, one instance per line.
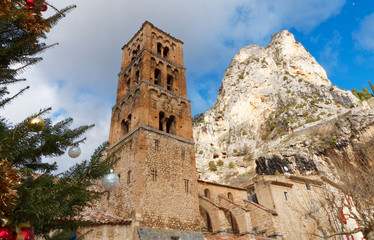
x=7 y=234
x=29 y=2
x=45 y=7
x=28 y=234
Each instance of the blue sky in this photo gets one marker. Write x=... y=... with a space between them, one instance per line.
x=78 y=78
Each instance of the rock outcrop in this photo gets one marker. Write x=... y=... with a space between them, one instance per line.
x=277 y=110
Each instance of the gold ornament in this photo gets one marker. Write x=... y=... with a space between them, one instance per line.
x=35 y=124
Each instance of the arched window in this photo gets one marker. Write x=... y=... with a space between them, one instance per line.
x=129 y=122
x=230 y=196
x=157 y=76
x=137 y=77
x=169 y=82
x=125 y=127
x=134 y=55
x=161 y=118
x=166 y=51
x=170 y=125
x=207 y=193
x=159 y=47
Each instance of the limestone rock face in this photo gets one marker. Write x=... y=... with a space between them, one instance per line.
x=270 y=102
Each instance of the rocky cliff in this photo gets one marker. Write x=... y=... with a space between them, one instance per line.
x=277 y=111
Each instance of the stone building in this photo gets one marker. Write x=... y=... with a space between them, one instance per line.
x=159 y=195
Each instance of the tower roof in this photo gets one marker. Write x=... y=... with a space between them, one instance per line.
x=153 y=26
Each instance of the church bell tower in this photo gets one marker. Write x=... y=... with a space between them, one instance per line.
x=151 y=128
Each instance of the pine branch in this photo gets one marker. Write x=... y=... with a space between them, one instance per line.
x=7 y=100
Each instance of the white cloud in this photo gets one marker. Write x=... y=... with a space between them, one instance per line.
x=91 y=37
x=364 y=36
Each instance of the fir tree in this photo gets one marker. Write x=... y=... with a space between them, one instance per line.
x=43 y=199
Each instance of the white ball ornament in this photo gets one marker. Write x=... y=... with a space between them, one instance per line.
x=110 y=181
x=74 y=152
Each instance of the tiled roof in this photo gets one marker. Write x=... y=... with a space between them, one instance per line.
x=98 y=217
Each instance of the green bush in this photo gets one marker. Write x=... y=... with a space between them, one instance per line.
x=235 y=151
x=240 y=76
x=277 y=172
x=333 y=142
x=201 y=152
x=231 y=165
x=212 y=166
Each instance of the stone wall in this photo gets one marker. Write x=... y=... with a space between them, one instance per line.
x=215 y=189
x=161 y=191
x=108 y=232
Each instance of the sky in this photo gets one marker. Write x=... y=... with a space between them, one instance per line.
x=78 y=78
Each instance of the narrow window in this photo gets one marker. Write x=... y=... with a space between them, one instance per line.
x=207 y=193
x=129 y=177
x=157 y=143
x=308 y=187
x=169 y=82
x=129 y=123
x=183 y=153
x=134 y=55
x=157 y=76
x=230 y=196
x=161 y=119
x=166 y=51
x=170 y=125
x=186 y=181
x=137 y=77
x=125 y=127
x=128 y=83
x=286 y=196
x=154 y=175
x=159 y=46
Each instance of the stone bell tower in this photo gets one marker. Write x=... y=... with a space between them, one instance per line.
x=151 y=129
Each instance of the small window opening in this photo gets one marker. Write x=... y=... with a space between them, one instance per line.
x=186 y=181
x=128 y=83
x=159 y=46
x=183 y=153
x=157 y=76
x=286 y=196
x=128 y=123
x=161 y=118
x=125 y=127
x=230 y=196
x=207 y=193
x=129 y=177
x=154 y=175
x=169 y=82
x=134 y=55
x=308 y=187
x=170 y=125
x=157 y=145
x=166 y=51
x=137 y=77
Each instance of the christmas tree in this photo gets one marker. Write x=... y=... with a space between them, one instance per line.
x=31 y=195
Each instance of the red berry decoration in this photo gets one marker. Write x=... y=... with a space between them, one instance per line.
x=45 y=7
x=29 y=2
x=28 y=234
x=7 y=234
